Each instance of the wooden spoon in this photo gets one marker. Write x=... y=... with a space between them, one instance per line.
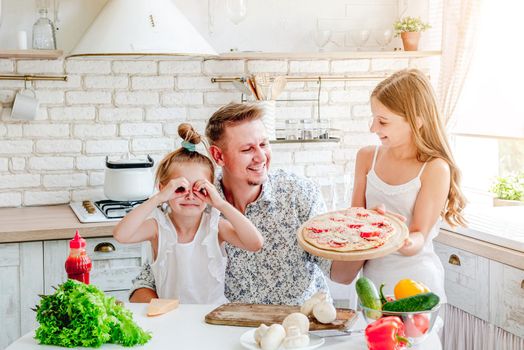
x=279 y=84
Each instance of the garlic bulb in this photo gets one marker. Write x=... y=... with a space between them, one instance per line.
x=325 y=312
x=298 y=320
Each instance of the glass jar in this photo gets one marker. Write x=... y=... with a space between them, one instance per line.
x=292 y=129
x=306 y=126
x=44 y=32
x=323 y=127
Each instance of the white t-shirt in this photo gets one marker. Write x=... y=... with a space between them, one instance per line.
x=191 y=272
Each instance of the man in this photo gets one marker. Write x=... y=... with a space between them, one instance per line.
x=276 y=202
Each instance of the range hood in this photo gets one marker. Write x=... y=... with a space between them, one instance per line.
x=141 y=27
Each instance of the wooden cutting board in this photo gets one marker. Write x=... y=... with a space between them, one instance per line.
x=252 y=315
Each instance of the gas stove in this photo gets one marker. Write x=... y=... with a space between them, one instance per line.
x=103 y=210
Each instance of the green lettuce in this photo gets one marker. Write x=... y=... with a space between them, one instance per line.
x=78 y=314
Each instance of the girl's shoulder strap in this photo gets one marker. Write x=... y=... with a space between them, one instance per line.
x=374 y=157
x=422 y=169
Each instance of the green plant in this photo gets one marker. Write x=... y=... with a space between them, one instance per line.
x=410 y=24
x=509 y=187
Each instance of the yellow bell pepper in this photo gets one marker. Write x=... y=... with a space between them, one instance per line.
x=407 y=288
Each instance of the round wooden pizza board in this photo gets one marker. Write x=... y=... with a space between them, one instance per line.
x=392 y=245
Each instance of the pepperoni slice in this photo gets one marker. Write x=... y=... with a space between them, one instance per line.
x=369 y=233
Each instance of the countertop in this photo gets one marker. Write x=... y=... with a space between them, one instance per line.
x=184 y=328
x=46 y=223
x=494 y=234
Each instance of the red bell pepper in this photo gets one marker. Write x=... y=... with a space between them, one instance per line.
x=386 y=333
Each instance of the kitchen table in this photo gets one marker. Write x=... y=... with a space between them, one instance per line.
x=184 y=328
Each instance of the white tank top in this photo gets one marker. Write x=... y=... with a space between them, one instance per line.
x=423 y=267
x=191 y=272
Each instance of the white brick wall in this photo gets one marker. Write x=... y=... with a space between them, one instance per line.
x=117 y=106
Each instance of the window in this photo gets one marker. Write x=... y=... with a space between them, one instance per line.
x=488 y=136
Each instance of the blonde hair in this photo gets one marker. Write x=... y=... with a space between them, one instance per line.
x=184 y=155
x=230 y=114
x=408 y=93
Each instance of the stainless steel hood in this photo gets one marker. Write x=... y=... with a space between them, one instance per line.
x=141 y=27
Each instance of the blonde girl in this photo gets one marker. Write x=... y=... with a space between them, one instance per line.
x=411 y=173
x=187 y=241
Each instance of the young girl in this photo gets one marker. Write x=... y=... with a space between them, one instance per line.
x=413 y=174
x=187 y=243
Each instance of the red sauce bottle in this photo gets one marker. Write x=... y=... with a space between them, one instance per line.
x=78 y=264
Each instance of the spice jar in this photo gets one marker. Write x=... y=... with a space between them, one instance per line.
x=292 y=129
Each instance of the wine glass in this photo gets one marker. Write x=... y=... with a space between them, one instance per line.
x=383 y=37
x=321 y=37
x=236 y=10
x=360 y=37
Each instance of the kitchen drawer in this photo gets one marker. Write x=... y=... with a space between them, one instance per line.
x=466 y=280
x=507 y=297
x=113 y=268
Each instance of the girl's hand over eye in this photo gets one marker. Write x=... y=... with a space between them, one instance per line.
x=175 y=188
x=206 y=191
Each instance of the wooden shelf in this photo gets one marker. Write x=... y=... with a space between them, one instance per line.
x=325 y=55
x=331 y=139
x=31 y=54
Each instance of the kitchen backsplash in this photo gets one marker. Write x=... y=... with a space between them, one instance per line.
x=119 y=106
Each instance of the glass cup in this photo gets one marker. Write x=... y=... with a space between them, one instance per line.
x=292 y=129
x=360 y=37
x=236 y=10
x=321 y=37
x=383 y=37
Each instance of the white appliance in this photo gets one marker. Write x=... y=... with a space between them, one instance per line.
x=129 y=179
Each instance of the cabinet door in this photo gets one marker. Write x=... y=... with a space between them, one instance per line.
x=466 y=280
x=21 y=281
x=507 y=297
x=114 y=264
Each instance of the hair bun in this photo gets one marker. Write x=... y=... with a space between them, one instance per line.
x=189 y=134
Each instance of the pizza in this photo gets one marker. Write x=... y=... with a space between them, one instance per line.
x=348 y=230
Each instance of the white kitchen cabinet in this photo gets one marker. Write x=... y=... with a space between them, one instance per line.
x=112 y=271
x=33 y=268
x=21 y=280
x=507 y=298
x=466 y=280
x=484 y=288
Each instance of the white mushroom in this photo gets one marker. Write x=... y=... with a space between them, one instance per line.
x=259 y=333
x=308 y=305
x=273 y=337
x=321 y=295
x=298 y=320
x=325 y=312
x=295 y=339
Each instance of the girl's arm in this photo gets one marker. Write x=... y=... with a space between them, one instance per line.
x=237 y=229
x=428 y=207
x=134 y=227
x=345 y=271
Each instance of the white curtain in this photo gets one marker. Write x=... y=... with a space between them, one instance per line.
x=463 y=331
x=460 y=20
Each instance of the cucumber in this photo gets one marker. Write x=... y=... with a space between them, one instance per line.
x=367 y=293
x=419 y=302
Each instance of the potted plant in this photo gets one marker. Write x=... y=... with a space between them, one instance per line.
x=409 y=29
x=509 y=190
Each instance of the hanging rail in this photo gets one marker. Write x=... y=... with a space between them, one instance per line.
x=33 y=77
x=309 y=78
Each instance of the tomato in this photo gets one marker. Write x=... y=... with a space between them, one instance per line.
x=418 y=325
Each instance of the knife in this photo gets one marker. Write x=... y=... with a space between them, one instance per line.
x=336 y=332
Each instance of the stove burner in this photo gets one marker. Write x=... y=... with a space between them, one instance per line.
x=116 y=209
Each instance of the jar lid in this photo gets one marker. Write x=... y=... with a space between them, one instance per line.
x=77 y=242
x=129 y=163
